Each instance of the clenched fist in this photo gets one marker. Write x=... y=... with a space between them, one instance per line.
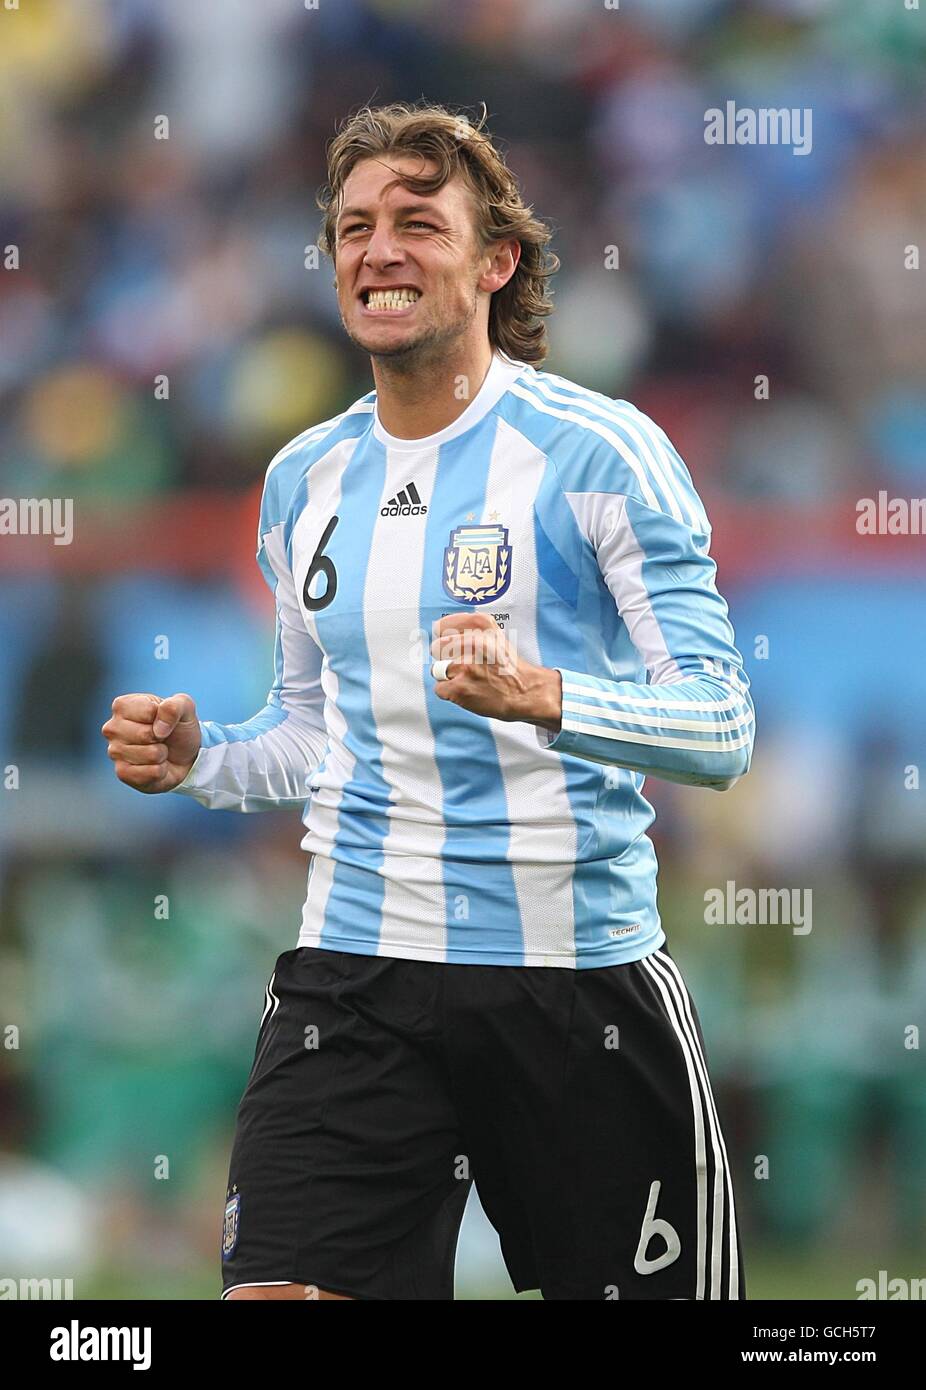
x=153 y=742
x=480 y=670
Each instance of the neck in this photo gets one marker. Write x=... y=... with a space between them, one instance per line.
x=416 y=398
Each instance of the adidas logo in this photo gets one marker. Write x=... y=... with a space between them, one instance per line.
x=405 y=503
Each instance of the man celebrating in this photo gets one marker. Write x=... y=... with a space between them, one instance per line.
x=495 y=614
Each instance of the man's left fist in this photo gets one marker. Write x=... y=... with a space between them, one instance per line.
x=484 y=673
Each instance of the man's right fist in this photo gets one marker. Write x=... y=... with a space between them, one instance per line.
x=153 y=742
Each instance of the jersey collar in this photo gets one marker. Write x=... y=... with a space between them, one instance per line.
x=503 y=370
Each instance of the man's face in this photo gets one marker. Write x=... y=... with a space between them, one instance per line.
x=421 y=249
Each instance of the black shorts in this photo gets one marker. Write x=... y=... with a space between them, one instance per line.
x=578 y=1100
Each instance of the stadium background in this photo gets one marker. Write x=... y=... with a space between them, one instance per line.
x=187 y=257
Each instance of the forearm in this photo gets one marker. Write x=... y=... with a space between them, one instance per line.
x=697 y=730
x=260 y=765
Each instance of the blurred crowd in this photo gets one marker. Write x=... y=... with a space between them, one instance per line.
x=165 y=327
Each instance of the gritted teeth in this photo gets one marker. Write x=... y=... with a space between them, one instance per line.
x=390 y=299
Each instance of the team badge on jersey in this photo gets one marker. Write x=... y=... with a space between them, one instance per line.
x=230 y=1227
x=477 y=563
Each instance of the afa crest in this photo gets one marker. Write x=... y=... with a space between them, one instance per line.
x=477 y=563
x=230 y=1227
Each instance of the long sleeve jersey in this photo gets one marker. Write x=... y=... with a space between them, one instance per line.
x=436 y=833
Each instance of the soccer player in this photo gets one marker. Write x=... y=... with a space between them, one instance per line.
x=496 y=613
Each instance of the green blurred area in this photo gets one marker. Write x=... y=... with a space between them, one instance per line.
x=772 y=1275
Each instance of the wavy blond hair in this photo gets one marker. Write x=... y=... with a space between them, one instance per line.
x=457 y=146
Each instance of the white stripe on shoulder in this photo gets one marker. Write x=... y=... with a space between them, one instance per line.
x=319 y=431
x=657 y=462
x=660 y=440
x=626 y=453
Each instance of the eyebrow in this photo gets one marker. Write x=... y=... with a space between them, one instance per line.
x=407 y=207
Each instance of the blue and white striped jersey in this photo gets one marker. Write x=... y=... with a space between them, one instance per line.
x=435 y=833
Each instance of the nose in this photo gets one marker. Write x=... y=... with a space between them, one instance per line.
x=383 y=248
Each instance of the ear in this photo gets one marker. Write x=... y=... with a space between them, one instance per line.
x=500 y=261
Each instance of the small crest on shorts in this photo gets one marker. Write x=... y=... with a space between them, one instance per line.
x=230 y=1225
x=477 y=563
